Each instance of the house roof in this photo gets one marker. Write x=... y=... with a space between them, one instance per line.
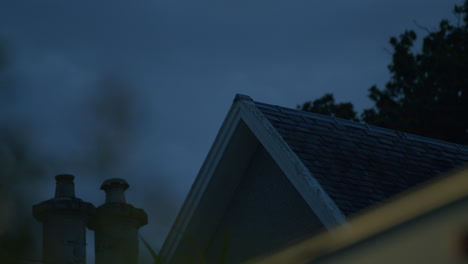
x=360 y=165
x=337 y=166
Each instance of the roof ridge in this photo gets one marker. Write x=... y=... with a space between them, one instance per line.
x=242 y=97
x=368 y=127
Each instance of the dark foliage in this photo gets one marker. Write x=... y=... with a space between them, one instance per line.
x=428 y=90
x=326 y=106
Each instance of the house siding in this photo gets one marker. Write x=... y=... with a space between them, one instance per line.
x=265 y=213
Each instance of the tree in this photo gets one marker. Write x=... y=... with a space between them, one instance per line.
x=108 y=119
x=428 y=90
x=326 y=106
x=17 y=162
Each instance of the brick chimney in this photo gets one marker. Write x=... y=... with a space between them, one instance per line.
x=116 y=226
x=64 y=220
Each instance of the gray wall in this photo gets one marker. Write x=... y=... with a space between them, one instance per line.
x=265 y=213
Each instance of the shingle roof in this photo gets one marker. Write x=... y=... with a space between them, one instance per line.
x=361 y=165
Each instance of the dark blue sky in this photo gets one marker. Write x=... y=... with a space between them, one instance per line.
x=178 y=65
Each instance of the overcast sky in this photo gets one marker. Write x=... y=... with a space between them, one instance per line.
x=179 y=64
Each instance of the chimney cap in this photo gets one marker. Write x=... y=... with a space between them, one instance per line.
x=110 y=183
x=64 y=177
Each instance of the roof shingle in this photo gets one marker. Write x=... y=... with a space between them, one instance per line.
x=361 y=165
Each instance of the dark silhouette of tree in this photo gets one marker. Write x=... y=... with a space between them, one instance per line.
x=109 y=119
x=17 y=162
x=326 y=106
x=428 y=90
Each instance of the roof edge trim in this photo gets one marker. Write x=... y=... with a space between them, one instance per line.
x=243 y=108
x=201 y=181
x=299 y=175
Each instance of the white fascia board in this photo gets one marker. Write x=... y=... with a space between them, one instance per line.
x=244 y=109
x=201 y=181
x=299 y=175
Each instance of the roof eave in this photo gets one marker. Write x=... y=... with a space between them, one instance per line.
x=292 y=166
x=244 y=109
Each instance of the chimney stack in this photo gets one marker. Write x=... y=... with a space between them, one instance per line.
x=116 y=226
x=64 y=220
